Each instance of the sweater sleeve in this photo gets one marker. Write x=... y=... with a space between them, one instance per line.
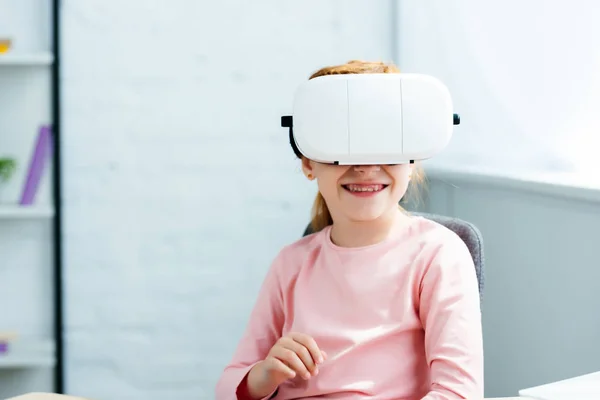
x=262 y=331
x=450 y=312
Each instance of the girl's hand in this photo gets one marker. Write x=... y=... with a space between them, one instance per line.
x=294 y=354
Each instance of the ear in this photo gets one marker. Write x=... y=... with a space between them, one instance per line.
x=307 y=168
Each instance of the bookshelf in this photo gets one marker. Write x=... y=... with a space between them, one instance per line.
x=33 y=59
x=18 y=212
x=31 y=339
x=30 y=353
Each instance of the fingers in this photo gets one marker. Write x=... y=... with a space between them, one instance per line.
x=310 y=344
x=304 y=355
x=299 y=353
x=291 y=359
x=278 y=365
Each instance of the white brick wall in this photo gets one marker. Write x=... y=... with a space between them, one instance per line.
x=180 y=186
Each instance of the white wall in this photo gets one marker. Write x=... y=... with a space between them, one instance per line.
x=523 y=76
x=179 y=183
x=540 y=307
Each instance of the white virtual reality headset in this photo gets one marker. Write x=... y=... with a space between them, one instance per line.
x=366 y=119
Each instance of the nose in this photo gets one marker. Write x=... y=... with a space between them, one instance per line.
x=366 y=169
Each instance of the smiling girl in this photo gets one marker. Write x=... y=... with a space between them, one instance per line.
x=376 y=304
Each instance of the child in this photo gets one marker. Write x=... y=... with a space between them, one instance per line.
x=377 y=304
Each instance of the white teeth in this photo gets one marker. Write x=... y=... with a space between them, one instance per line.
x=364 y=188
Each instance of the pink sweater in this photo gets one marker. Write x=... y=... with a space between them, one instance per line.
x=398 y=320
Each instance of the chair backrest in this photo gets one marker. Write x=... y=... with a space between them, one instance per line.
x=466 y=231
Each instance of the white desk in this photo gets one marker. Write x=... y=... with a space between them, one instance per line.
x=45 y=396
x=52 y=396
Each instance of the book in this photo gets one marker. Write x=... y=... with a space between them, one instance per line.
x=584 y=387
x=41 y=154
x=6 y=336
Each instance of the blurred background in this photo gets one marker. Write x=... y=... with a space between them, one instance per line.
x=146 y=183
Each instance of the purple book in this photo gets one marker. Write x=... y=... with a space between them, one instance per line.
x=43 y=150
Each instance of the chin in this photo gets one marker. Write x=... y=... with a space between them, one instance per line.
x=368 y=214
x=365 y=216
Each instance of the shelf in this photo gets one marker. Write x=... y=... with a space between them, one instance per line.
x=29 y=354
x=25 y=212
x=13 y=362
x=31 y=59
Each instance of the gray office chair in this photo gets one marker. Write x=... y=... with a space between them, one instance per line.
x=466 y=231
